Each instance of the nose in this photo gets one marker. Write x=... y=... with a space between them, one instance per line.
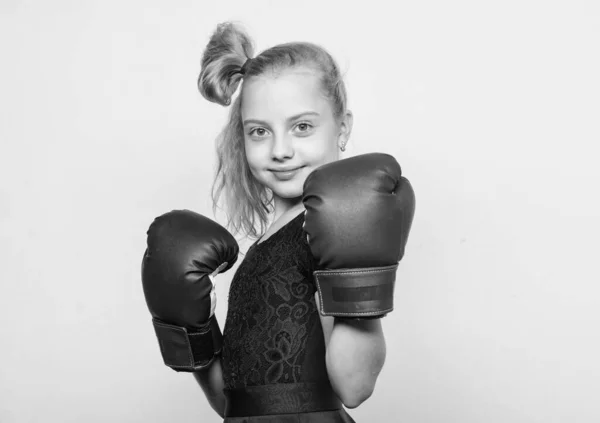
x=282 y=148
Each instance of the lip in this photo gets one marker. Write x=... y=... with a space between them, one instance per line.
x=285 y=173
x=285 y=169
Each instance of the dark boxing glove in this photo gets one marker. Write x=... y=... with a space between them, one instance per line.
x=359 y=212
x=185 y=252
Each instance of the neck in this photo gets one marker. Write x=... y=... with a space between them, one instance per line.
x=286 y=206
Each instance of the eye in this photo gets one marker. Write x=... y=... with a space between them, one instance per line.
x=258 y=132
x=304 y=127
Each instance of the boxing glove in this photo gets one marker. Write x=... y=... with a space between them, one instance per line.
x=359 y=212
x=185 y=251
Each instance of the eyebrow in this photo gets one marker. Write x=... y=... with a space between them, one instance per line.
x=292 y=118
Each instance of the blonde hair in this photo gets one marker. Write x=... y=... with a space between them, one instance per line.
x=248 y=202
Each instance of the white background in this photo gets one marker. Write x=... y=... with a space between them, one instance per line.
x=491 y=108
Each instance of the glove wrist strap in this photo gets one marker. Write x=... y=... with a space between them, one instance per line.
x=356 y=293
x=188 y=350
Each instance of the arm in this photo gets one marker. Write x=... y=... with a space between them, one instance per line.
x=185 y=252
x=355 y=354
x=358 y=216
x=210 y=380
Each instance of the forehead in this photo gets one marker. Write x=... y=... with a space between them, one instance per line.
x=274 y=96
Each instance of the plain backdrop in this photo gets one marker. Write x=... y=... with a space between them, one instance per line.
x=491 y=108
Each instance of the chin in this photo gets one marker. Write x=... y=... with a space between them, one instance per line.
x=292 y=191
x=286 y=188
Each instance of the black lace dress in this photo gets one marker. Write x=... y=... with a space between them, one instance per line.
x=273 y=355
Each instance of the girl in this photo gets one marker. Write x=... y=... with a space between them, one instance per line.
x=280 y=357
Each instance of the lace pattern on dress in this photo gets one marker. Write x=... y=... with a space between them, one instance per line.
x=271 y=312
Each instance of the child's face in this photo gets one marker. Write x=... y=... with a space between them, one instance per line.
x=289 y=129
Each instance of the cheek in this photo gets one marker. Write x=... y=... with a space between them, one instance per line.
x=326 y=149
x=257 y=160
x=253 y=156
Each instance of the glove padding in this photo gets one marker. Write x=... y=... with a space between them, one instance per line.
x=185 y=251
x=359 y=212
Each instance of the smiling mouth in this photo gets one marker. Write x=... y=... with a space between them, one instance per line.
x=286 y=175
x=287 y=170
